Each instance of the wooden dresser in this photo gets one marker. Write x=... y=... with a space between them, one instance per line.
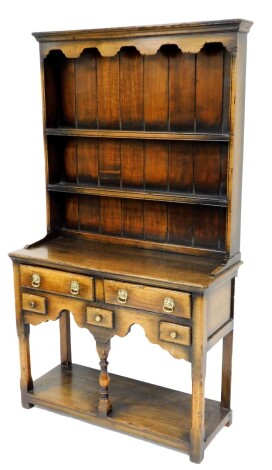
x=143 y=133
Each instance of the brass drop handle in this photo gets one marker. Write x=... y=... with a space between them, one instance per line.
x=168 y=305
x=35 y=280
x=122 y=296
x=98 y=318
x=173 y=335
x=32 y=304
x=74 y=287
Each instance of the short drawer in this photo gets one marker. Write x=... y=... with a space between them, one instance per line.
x=173 y=333
x=34 y=303
x=148 y=298
x=50 y=280
x=99 y=317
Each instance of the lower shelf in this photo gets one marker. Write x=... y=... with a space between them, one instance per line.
x=155 y=413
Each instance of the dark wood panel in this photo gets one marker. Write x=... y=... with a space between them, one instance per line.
x=87 y=161
x=85 y=84
x=155 y=221
x=224 y=169
x=69 y=161
x=181 y=91
x=132 y=218
x=207 y=168
x=180 y=224
x=181 y=170
x=206 y=227
x=156 y=92
x=226 y=91
x=109 y=162
x=89 y=213
x=209 y=87
x=108 y=92
x=110 y=216
x=131 y=86
x=67 y=92
x=55 y=166
x=222 y=228
x=71 y=211
x=156 y=165
x=51 y=89
x=132 y=163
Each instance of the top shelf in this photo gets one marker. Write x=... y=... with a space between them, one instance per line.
x=145 y=135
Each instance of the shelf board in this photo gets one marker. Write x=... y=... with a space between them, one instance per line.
x=140 y=409
x=120 y=134
x=134 y=194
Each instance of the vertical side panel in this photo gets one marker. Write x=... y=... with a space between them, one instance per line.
x=132 y=163
x=110 y=216
x=223 y=170
x=155 y=221
x=67 y=92
x=206 y=226
x=85 y=83
x=69 y=161
x=133 y=218
x=180 y=224
x=207 y=168
x=181 y=91
x=51 y=89
x=71 y=211
x=109 y=162
x=131 y=86
x=226 y=92
x=89 y=213
x=209 y=86
x=87 y=158
x=156 y=92
x=181 y=169
x=108 y=92
x=156 y=165
x=55 y=169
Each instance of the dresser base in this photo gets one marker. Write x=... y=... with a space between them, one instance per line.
x=140 y=409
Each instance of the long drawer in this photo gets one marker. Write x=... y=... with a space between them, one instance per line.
x=51 y=280
x=148 y=298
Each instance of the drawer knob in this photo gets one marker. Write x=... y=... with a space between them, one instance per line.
x=32 y=304
x=35 y=280
x=98 y=318
x=168 y=305
x=173 y=334
x=122 y=296
x=74 y=287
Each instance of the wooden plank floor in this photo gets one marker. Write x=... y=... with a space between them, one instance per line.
x=144 y=410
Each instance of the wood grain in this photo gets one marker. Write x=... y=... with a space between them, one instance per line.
x=131 y=84
x=85 y=89
x=156 y=92
x=108 y=92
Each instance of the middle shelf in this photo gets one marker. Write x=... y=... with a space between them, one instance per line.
x=209 y=200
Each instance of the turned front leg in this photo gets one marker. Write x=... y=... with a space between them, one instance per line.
x=104 y=405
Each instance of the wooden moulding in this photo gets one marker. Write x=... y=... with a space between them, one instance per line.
x=190 y=37
x=142 y=412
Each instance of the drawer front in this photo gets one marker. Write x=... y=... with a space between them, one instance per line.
x=99 y=317
x=34 y=303
x=74 y=285
x=173 y=333
x=148 y=298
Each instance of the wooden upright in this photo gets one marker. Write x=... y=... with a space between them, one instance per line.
x=143 y=132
